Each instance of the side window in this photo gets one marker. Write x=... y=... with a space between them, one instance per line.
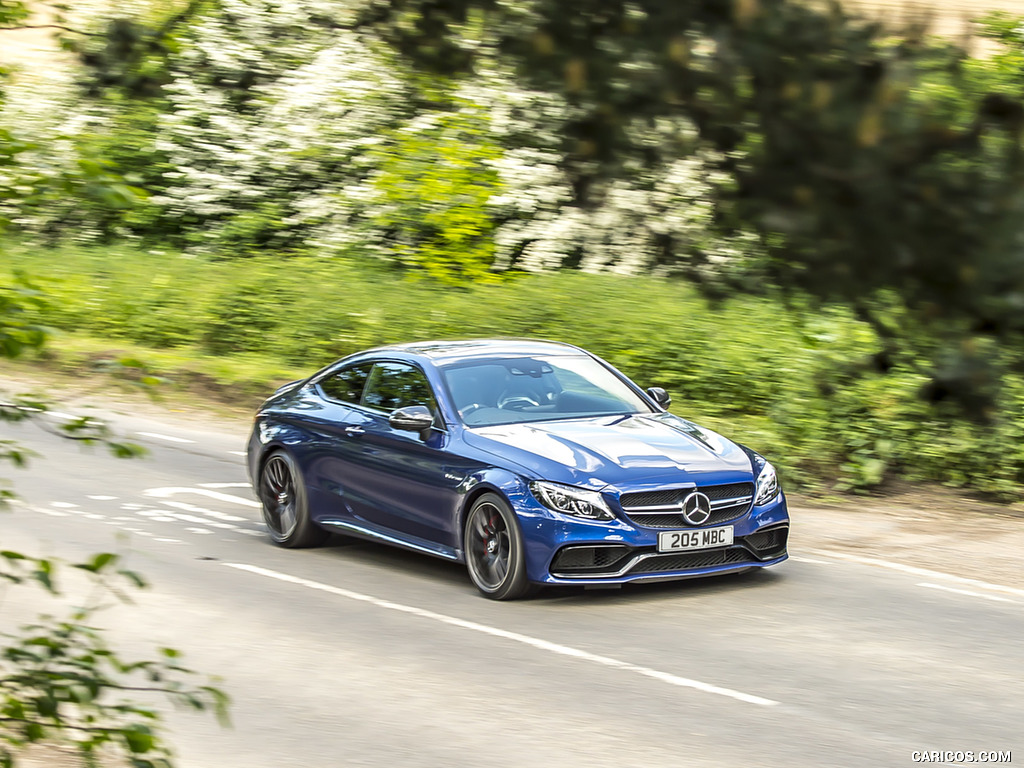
x=346 y=385
x=397 y=385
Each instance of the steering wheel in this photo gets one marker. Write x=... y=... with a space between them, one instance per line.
x=517 y=403
x=471 y=408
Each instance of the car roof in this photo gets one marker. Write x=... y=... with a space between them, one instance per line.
x=443 y=351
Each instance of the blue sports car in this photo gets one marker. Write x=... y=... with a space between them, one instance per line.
x=531 y=461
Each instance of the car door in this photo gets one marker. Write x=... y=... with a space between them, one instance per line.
x=401 y=476
x=333 y=418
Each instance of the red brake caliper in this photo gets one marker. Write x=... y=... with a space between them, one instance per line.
x=489 y=533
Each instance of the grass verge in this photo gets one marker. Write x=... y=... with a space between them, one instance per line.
x=797 y=385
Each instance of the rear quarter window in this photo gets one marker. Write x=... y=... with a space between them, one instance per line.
x=346 y=385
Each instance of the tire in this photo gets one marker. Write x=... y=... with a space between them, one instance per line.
x=495 y=556
x=282 y=493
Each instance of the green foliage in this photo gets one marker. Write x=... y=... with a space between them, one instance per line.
x=60 y=681
x=434 y=183
x=802 y=384
x=13 y=13
x=866 y=162
x=835 y=159
x=128 y=58
x=776 y=146
x=17 y=297
x=1004 y=69
x=244 y=314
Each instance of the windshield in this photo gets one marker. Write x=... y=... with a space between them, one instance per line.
x=513 y=390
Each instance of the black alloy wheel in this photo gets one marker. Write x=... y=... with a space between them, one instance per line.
x=283 y=497
x=494 y=550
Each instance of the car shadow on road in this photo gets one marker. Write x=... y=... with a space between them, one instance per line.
x=398 y=560
x=454 y=575
x=651 y=592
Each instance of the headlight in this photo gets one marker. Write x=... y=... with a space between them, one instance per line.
x=577 y=502
x=767 y=485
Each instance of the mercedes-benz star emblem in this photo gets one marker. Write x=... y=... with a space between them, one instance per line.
x=696 y=508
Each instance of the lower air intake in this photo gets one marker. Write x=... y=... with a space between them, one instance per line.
x=685 y=561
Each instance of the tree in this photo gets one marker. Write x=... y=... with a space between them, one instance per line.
x=815 y=151
x=860 y=190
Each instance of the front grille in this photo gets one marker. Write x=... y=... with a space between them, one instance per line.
x=654 y=520
x=582 y=559
x=676 y=495
x=769 y=542
x=655 y=498
x=741 y=495
x=684 y=561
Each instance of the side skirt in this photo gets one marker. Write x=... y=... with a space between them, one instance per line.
x=413 y=544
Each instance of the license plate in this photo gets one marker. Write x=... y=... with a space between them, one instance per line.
x=706 y=538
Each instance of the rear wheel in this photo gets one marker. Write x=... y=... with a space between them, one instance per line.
x=285 y=510
x=494 y=550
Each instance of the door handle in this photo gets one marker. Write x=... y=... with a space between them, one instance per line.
x=352 y=431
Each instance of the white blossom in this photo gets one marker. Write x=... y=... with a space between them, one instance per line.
x=276 y=120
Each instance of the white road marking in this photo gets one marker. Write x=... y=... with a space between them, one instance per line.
x=171 y=541
x=198 y=530
x=250 y=533
x=60 y=415
x=131 y=506
x=966 y=592
x=50 y=512
x=535 y=642
x=200 y=521
x=800 y=559
x=168 y=438
x=188 y=518
x=204 y=511
x=222 y=526
x=63 y=504
x=163 y=493
x=237 y=453
x=94 y=516
x=159 y=515
x=223 y=485
x=102 y=498
x=921 y=572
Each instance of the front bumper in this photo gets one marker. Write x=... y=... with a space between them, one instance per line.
x=561 y=550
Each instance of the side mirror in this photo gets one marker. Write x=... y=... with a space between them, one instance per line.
x=412 y=418
x=660 y=396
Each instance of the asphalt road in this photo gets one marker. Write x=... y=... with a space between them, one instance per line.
x=358 y=654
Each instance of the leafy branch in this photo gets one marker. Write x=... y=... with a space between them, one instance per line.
x=62 y=27
x=60 y=681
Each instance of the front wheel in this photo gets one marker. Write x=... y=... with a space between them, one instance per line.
x=285 y=510
x=494 y=550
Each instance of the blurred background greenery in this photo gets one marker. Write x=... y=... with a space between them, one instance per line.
x=807 y=225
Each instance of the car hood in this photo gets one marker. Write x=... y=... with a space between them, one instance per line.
x=626 y=452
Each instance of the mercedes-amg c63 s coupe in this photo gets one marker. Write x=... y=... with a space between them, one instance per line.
x=532 y=462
